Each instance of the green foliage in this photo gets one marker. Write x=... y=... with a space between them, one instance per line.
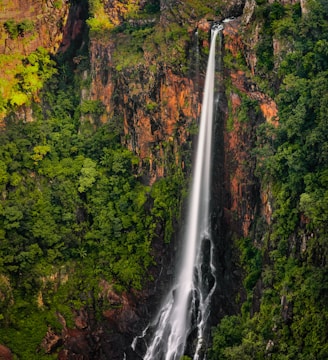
x=95 y=107
x=11 y=28
x=73 y=211
x=226 y=335
x=251 y=260
x=131 y=46
x=141 y=36
x=56 y=218
x=151 y=106
x=40 y=152
x=58 y=4
x=296 y=159
x=33 y=326
x=88 y=175
x=98 y=21
x=99 y=26
x=168 y=194
x=279 y=22
x=313 y=202
x=26 y=77
x=285 y=316
x=25 y=27
x=152 y=7
x=196 y=9
x=18 y=29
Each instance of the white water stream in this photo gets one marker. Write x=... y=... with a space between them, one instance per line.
x=186 y=307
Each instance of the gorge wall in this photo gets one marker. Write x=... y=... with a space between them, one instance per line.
x=42 y=24
x=159 y=104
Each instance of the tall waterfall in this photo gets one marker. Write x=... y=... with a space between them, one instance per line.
x=185 y=309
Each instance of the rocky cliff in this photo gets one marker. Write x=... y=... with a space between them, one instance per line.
x=159 y=106
x=30 y=24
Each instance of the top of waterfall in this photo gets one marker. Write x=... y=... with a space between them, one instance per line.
x=228 y=19
x=217 y=27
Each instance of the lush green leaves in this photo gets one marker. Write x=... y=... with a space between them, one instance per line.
x=73 y=212
x=18 y=29
x=285 y=314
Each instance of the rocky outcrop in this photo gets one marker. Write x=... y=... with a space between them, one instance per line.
x=233 y=8
x=167 y=119
x=73 y=28
x=51 y=341
x=5 y=353
x=155 y=105
x=46 y=21
x=90 y=339
x=26 y=26
x=304 y=6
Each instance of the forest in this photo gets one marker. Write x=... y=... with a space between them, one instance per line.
x=75 y=209
x=289 y=262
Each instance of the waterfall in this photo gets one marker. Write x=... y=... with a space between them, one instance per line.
x=185 y=309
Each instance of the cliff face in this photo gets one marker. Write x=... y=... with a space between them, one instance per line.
x=40 y=23
x=156 y=107
x=158 y=104
x=243 y=189
x=156 y=95
x=5 y=353
x=27 y=25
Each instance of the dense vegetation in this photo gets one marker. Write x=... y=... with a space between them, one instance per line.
x=286 y=268
x=73 y=210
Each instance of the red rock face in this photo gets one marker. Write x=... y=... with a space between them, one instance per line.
x=5 y=353
x=233 y=41
x=239 y=138
x=156 y=107
x=89 y=339
x=239 y=179
x=267 y=105
x=48 y=22
x=102 y=82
